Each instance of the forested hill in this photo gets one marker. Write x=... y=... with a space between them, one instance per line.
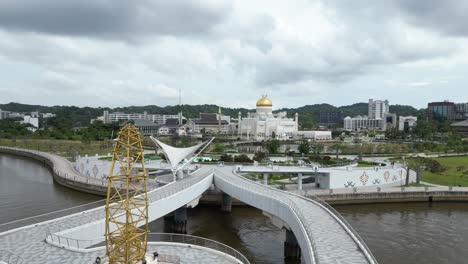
x=308 y=114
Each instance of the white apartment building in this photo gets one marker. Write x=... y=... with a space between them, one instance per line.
x=108 y=118
x=359 y=123
x=378 y=109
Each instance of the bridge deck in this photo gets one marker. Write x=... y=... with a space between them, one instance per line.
x=331 y=240
x=28 y=242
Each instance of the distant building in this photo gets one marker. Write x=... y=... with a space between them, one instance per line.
x=378 y=118
x=406 y=123
x=171 y=130
x=441 y=111
x=147 y=128
x=461 y=127
x=210 y=123
x=4 y=114
x=32 y=121
x=48 y=115
x=314 y=135
x=360 y=123
x=264 y=124
x=390 y=121
x=108 y=118
x=378 y=108
x=461 y=111
x=330 y=119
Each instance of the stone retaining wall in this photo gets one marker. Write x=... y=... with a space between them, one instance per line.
x=62 y=171
x=396 y=197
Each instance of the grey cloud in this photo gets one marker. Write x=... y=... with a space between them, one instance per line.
x=112 y=18
x=448 y=17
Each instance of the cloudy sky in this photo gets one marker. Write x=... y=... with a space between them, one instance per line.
x=120 y=52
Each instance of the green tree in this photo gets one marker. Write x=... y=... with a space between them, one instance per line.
x=336 y=148
x=259 y=156
x=317 y=148
x=218 y=148
x=273 y=146
x=304 y=147
x=242 y=159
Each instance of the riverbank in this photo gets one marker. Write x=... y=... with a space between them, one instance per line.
x=62 y=171
x=65 y=175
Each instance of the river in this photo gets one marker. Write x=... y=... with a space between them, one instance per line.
x=27 y=189
x=395 y=233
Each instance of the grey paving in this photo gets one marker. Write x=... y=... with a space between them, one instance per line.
x=30 y=245
x=331 y=239
x=331 y=242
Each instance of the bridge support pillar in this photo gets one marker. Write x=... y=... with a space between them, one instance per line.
x=180 y=174
x=292 y=251
x=299 y=181
x=176 y=222
x=180 y=220
x=265 y=178
x=226 y=203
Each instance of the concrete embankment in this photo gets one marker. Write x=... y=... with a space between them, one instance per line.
x=396 y=197
x=64 y=174
x=62 y=171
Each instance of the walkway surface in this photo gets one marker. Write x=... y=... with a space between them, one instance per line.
x=323 y=235
x=331 y=238
x=29 y=242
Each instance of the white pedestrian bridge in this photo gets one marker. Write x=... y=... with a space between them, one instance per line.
x=323 y=236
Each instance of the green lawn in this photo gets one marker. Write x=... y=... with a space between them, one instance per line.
x=363 y=163
x=451 y=176
x=415 y=185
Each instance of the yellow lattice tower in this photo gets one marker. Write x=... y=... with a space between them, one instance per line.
x=127 y=200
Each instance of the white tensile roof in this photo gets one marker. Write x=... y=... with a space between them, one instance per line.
x=176 y=155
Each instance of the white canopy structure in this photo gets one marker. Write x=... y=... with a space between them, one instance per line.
x=179 y=158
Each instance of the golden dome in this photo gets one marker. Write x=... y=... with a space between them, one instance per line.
x=264 y=101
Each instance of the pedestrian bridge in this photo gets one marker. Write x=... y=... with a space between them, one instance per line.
x=323 y=236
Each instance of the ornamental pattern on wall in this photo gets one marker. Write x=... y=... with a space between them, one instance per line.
x=376 y=181
x=386 y=176
x=95 y=170
x=349 y=184
x=364 y=178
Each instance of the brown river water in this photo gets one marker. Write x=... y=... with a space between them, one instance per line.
x=395 y=233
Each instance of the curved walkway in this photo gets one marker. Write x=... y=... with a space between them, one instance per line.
x=324 y=237
x=28 y=242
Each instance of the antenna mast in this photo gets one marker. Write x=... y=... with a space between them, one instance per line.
x=180 y=106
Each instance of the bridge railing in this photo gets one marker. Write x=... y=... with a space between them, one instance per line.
x=53 y=233
x=37 y=219
x=72 y=243
x=356 y=237
x=297 y=216
x=10 y=258
x=361 y=243
x=197 y=241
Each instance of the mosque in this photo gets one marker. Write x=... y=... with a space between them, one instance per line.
x=264 y=124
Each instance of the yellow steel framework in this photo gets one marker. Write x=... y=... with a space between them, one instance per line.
x=127 y=200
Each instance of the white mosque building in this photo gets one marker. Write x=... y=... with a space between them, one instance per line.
x=264 y=124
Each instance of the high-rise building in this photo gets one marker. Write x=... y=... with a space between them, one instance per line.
x=4 y=114
x=378 y=109
x=441 y=111
x=461 y=110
